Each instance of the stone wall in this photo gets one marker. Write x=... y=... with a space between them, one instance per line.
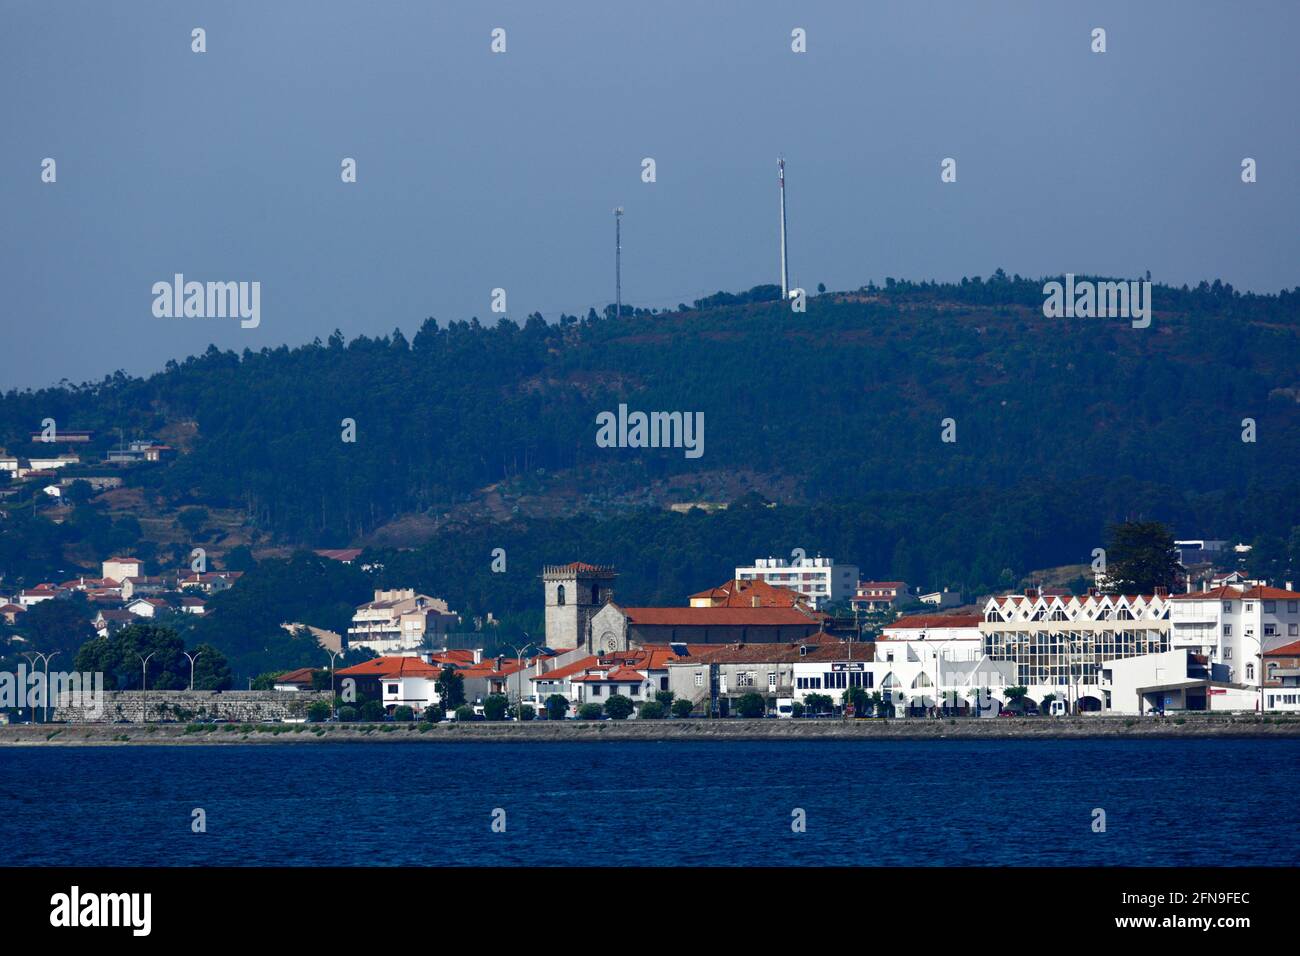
x=243 y=706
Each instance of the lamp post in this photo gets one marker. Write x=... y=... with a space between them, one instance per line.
x=46 y=691
x=192 y=658
x=50 y=657
x=144 y=686
x=519 y=677
x=334 y=701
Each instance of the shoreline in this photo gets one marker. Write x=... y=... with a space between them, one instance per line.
x=569 y=731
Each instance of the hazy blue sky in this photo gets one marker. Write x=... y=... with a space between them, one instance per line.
x=479 y=170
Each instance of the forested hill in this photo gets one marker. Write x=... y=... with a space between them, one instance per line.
x=839 y=404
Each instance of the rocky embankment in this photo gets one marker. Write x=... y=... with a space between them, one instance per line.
x=648 y=730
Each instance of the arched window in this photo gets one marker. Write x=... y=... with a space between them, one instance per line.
x=559 y=595
x=1250 y=672
x=922 y=680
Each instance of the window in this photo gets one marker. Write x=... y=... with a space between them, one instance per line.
x=1227 y=607
x=1293 y=630
x=595 y=690
x=771 y=682
x=1270 y=630
x=1250 y=672
x=699 y=678
x=392 y=688
x=1227 y=630
x=1291 y=606
x=1227 y=653
x=1270 y=607
x=595 y=594
x=559 y=595
x=663 y=683
x=745 y=679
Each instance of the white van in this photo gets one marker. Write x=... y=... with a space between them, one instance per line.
x=785 y=707
x=1058 y=708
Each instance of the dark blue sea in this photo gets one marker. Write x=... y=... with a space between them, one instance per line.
x=879 y=803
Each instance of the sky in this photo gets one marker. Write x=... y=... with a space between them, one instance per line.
x=479 y=170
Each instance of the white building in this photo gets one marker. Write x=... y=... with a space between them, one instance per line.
x=1235 y=625
x=119 y=569
x=819 y=579
x=1058 y=642
x=399 y=620
x=880 y=595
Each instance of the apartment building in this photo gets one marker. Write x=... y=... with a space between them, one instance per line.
x=819 y=579
x=1235 y=625
x=400 y=620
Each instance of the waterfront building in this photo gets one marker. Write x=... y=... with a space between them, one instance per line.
x=819 y=579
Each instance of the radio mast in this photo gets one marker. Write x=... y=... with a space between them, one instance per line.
x=785 y=275
x=618 y=261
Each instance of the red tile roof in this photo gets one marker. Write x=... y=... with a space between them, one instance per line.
x=1286 y=650
x=737 y=593
x=920 y=621
x=1229 y=593
x=384 y=667
x=303 y=675
x=721 y=616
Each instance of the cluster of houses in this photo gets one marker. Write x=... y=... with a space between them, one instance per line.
x=1231 y=645
x=123 y=594
x=47 y=468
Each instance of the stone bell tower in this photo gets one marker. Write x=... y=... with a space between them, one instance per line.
x=574 y=593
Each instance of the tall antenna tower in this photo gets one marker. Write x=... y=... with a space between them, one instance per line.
x=618 y=261
x=785 y=275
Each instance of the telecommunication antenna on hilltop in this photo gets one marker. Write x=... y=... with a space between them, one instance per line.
x=785 y=276
x=618 y=261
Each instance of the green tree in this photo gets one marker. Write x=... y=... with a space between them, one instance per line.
x=682 y=707
x=434 y=713
x=192 y=520
x=403 y=713
x=557 y=705
x=618 y=707
x=751 y=705
x=372 y=710
x=60 y=625
x=665 y=697
x=818 y=703
x=652 y=710
x=494 y=706
x=239 y=559
x=464 y=713
x=118 y=657
x=590 y=711
x=318 y=710
x=1140 y=557
x=211 y=669
x=451 y=688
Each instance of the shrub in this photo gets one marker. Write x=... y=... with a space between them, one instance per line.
x=464 y=712
x=682 y=707
x=652 y=710
x=618 y=707
x=751 y=705
x=494 y=706
x=557 y=705
x=348 y=713
x=403 y=713
x=372 y=710
x=318 y=710
x=527 y=712
x=590 y=711
x=433 y=713
x=796 y=709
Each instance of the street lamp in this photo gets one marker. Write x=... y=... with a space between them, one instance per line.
x=519 y=677
x=192 y=658
x=144 y=686
x=334 y=701
x=45 y=658
x=50 y=657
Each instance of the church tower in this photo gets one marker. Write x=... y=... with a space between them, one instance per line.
x=574 y=593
